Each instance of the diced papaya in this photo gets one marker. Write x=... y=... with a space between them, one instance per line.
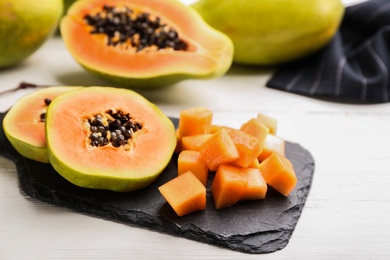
x=248 y=146
x=255 y=164
x=185 y=194
x=192 y=161
x=279 y=173
x=216 y=128
x=272 y=144
x=268 y=121
x=194 y=142
x=219 y=149
x=255 y=128
x=195 y=121
x=256 y=188
x=228 y=186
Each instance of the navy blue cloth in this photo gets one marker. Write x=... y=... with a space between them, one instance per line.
x=355 y=65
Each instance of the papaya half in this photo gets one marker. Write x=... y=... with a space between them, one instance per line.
x=144 y=43
x=24 y=123
x=108 y=138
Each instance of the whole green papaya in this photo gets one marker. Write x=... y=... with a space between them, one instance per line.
x=24 y=26
x=268 y=32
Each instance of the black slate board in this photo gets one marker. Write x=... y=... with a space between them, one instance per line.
x=254 y=227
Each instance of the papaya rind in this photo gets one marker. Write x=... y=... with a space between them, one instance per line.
x=221 y=57
x=25 y=26
x=273 y=31
x=22 y=144
x=123 y=180
x=27 y=150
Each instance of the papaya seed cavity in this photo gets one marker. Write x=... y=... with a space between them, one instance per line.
x=115 y=128
x=134 y=30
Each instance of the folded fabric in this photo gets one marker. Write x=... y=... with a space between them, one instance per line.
x=354 y=66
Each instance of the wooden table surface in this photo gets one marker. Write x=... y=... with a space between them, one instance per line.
x=347 y=214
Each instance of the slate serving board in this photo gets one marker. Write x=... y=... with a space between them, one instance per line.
x=254 y=227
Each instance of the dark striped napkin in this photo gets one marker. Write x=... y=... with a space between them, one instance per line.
x=354 y=66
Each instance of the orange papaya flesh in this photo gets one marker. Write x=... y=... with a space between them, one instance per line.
x=256 y=188
x=216 y=128
x=128 y=165
x=228 y=186
x=248 y=146
x=143 y=58
x=255 y=164
x=192 y=161
x=24 y=123
x=185 y=194
x=195 y=121
x=279 y=173
x=255 y=128
x=194 y=142
x=219 y=149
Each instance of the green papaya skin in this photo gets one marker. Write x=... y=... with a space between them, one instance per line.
x=268 y=32
x=24 y=26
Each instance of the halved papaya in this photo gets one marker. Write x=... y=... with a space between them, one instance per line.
x=24 y=123
x=108 y=138
x=144 y=43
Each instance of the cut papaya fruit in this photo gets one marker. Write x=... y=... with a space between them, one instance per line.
x=248 y=146
x=219 y=149
x=108 y=138
x=194 y=142
x=279 y=173
x=256 y=188
x=256 y=128
x=144 y=43
x=24 y=123
x=192 y=161
x=195 y=121
x=185 y=194
x=228 y=186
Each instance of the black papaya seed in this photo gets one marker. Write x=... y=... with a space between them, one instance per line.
x=141 y=31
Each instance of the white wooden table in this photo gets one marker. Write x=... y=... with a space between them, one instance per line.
x=347 y=214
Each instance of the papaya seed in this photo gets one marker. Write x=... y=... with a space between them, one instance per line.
x=136 y=31
x=47 y=101
x=42 y=117
x=118 y=131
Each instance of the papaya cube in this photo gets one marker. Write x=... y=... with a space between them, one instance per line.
x=255 y=128
x=185 y=194
x=256 y=188
x=272 y=144
x=248 y=146
x=219 y=149
x=195 y=121
x=279 y=173
x=194 y=142
x=268 y=121
x=216 y=128
x=189 y=160
x=228 y=186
